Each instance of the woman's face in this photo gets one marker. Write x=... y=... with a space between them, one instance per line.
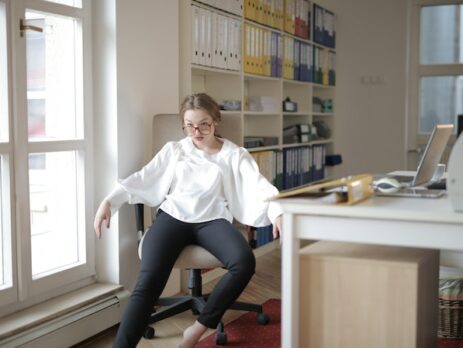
x=199 y=125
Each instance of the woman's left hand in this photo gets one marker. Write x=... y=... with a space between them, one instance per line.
x=278 y=223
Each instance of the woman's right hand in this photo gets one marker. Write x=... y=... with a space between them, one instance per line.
x=103 y=214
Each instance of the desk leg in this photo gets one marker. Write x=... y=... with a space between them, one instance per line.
x=290 y=284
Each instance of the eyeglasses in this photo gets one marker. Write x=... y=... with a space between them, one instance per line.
x=204 y=128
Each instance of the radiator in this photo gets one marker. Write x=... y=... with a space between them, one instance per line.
x=73 y=327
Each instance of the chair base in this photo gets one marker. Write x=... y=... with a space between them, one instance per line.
x=176 y=305
x=196 y=302
x=179 y=304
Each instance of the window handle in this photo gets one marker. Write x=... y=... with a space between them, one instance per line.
x=417 y=150
x=23 y=27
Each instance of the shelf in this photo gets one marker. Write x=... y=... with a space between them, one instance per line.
x=324 y=141
x=263 y=148
x=323 y=114
x=208 y=70
x=288 y=113
x=261 y=113
x=286 y=146
x=292 y=36
x=310 y=143
x=230 y=112
x=318 y=85
x=249 y=76
x=297 y=82
x=261 y=25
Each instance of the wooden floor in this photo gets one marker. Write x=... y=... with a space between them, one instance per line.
x=264 y=285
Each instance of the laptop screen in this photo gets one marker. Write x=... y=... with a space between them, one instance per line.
x=432 y=154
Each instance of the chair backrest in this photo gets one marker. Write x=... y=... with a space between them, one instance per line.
x=166 y=127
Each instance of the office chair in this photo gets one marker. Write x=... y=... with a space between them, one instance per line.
x=194 y=258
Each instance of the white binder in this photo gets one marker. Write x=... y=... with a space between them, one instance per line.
x=195 y=23
x=202 y=36
x=214 y=40
x=208 y=37
x=231 y=44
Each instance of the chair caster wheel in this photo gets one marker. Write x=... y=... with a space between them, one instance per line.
x=263 y=319
x=221 y=338
x=149 y=333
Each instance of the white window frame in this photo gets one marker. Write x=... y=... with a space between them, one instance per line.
x=27 y=291
x=414 y=138
x=9 y=294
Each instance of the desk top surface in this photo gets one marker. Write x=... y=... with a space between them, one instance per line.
x=394 y=208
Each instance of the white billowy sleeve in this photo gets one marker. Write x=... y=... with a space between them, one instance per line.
x=248 y=193
x=150 y=185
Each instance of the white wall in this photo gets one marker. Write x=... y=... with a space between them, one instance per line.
x=371 y=79
x=105 y=128
x=136 y=76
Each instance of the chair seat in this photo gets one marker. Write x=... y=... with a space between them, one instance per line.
x=193 y=256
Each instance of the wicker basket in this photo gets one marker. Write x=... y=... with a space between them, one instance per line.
x=450 y=308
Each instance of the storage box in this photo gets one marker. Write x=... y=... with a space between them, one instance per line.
x=263 y=104
x=357 y=295
x=450 y=308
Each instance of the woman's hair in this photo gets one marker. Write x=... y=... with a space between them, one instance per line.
x=201 y=101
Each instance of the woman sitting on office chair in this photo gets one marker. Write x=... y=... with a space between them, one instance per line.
x=200 y=184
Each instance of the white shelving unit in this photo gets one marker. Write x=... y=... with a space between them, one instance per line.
x=223 y=84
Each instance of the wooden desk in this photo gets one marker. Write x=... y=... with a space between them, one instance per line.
x=412 y=222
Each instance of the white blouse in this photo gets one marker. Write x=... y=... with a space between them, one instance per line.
x=194 y=186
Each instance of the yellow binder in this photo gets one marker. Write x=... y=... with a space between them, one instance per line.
x=249 y=9
x=348 y=190
x=247 y=48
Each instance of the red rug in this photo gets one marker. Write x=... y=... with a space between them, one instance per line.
x=449 y=343
x=246 y=332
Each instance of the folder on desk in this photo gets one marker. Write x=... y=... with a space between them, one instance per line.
x=348 y=190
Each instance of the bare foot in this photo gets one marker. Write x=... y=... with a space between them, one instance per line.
x=192 y=335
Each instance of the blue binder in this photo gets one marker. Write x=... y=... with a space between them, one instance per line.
x=317 y=31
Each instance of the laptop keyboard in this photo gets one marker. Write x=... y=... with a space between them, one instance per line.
x=438 y=185
x=403 y=178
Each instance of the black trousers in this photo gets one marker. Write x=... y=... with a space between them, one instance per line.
x=162 y=245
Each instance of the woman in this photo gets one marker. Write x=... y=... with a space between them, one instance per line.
x=200 y=184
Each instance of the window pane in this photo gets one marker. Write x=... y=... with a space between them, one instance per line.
x=441 y=34
x=441 y=100
x=54 y=192
x=3 y=77
x=5 y=225
x=75 y=3
x=54 y=77
x=2 y=232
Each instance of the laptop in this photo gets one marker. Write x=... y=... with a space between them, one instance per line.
x=426 y=167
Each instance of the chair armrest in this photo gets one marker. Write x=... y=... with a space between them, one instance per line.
x=140 y=219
